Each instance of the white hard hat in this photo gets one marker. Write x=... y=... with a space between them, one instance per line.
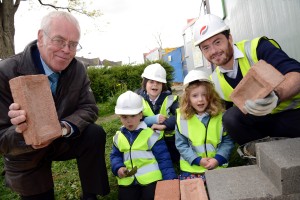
x=155 y=72
x=207 y=26
x=195 y=75
x=129 y=103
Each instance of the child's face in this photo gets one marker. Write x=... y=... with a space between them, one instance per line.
x=198 y=99
x=153 y=88
x=131 y=122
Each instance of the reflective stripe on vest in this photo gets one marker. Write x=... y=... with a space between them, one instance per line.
x=165 y=107
x=197 y=135
x=248 y=48
x=164 y=110
x=139 y=154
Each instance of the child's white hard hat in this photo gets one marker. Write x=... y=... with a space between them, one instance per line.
x=195 y=75
x=129 y=103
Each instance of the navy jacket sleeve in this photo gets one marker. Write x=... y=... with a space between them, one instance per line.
x=116 y=160
x=162 y=155
x=171 y=121
x=276 y=57
x=224 y=150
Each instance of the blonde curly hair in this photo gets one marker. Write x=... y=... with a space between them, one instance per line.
x=215 y=103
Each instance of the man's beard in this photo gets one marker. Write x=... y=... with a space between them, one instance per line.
x=225 y=57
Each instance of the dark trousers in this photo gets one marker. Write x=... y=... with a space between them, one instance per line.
x=174 y=153
x=245 y=128
x=137 y=192
x=30 y=174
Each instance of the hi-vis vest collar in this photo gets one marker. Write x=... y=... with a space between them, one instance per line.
x=165 y=107
x=248 y=48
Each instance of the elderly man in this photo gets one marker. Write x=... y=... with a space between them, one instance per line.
x=28 y=168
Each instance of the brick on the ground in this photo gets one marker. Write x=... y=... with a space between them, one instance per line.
x=33 y=94
x=167 y=189
x=260 y=80
x=193 y=189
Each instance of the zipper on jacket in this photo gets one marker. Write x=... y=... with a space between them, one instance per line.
x=205 y=148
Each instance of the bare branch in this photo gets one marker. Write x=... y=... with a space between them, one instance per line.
x=16 y=6
x=158 y=39
x=50 y=5
x=70 y=9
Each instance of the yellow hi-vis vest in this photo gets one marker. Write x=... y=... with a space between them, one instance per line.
x=204 y=141
x=164 y=110
x=248 y=48
x=139 y=155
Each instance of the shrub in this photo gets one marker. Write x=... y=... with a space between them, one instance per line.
x=107 y=82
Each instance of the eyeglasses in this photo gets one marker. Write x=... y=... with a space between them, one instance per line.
x=61 y=43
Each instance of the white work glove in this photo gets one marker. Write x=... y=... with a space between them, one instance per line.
x=260 y=107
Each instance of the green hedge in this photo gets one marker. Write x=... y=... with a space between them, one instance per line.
x=107 y=82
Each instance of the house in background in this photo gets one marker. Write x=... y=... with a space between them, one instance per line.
x=153 y=55
x=184 y=58
x=174 y=57
x=108 y=63
x=96 y=62
x=90 y=61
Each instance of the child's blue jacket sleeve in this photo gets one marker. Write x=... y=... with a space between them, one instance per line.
x=116 y=160
x=150 y=120
x=224 y=150
x=162 y=155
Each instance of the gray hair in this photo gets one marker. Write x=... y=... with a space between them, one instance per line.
x=46 y=21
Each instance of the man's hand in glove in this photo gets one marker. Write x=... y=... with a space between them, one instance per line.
x=260 y=107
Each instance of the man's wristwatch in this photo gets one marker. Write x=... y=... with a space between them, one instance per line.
x=64 y=130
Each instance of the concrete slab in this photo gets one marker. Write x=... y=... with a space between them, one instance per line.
x=245 y=182
x=280 y=161
x=287 y=197
x=33 y=94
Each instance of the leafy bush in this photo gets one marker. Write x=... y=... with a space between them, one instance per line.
x=107 y=82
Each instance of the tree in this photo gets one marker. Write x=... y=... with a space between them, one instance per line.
x=7 y=29
x=160 y=44
x=8 y=9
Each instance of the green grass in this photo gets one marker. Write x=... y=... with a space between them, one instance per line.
x=108 y=107
x=65 y=174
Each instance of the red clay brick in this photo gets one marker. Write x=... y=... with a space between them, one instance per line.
x=261 y=79
x=168 y=189
x=33 y=94
x=193 y=189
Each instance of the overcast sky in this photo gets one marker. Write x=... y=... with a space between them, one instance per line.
x=125 y=31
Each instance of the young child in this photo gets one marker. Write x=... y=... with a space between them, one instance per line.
x=159 y=105
x=136 y=146
x=200 y=139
